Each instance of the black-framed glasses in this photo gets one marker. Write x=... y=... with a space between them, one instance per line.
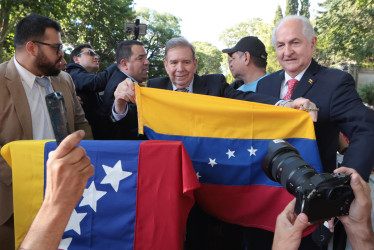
x=57 y=46
x=90 y=53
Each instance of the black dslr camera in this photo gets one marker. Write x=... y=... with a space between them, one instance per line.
x=320 y=196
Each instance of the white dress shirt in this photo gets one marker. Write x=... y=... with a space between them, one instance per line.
x=41 y=122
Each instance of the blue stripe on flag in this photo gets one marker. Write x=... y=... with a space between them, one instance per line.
x=112 y=225
x=235 y=162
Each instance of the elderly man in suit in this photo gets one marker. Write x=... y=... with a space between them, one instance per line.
x=333 y=91
x=24 y=113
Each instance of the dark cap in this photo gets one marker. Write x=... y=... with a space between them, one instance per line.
x=251 y=44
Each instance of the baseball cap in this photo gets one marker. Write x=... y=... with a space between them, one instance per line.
x=251 y=44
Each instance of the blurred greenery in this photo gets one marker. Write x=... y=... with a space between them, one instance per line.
x=366 y=93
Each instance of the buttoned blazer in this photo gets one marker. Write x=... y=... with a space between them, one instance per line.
x=340 y=109
x=16 y=124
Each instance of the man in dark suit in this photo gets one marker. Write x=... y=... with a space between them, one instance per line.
x=132 y=63
x=333 y=91
x=84 y=62
x=24 y=116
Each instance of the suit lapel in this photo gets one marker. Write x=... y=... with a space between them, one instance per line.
x=19 y=98
x=276 y=88
x=199 y=86
x=169 y=86
x=307 y=81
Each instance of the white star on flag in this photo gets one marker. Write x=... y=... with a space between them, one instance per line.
x=198 y=175
x=252 y=151
x=74 y=222
x=230 y=153
x=91 y=196
x=114 y=175
x=65 y=243
x=212 y=162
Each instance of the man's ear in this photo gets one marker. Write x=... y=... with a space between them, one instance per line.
x=247 y=57
x=123 y=63
x=31 y=48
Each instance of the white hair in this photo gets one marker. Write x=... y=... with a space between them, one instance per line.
x=307 y=31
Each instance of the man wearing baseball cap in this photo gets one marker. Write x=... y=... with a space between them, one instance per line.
x=247 y=62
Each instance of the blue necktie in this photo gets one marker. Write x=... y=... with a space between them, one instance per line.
x=44 y=82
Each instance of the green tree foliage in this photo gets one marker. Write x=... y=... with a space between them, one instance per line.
x=161 y=27
x=345 y=32
x=367 y=93
x=98 y=22
x=11 y=11
x=253 y=27
x=209 y=58
x=304 y=8
x=278 y=15
x=292 y=7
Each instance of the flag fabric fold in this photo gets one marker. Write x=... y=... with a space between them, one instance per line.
x=138 y=198
x=227 y=140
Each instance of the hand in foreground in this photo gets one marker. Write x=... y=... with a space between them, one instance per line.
x=68 y=169
x=358 y=223
x=125 y=92
x=289 y=228
x=304 y=104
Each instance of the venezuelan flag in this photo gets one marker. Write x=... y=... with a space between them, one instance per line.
x=139 y=197
x=227 y=140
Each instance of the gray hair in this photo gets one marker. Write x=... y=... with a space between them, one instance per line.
x=307 y=31
x=179 y=42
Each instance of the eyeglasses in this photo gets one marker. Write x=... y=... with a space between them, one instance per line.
x=90 y=53
x=57 y=46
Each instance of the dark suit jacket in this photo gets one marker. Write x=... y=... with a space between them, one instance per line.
x=340 y=109
x=16 y=123
x=88 y=87
x=126 y=129
x=214 y=85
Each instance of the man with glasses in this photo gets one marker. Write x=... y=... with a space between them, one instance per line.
x=84 y=62
x=33 y=72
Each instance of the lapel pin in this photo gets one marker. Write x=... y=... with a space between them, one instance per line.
x=310 y=81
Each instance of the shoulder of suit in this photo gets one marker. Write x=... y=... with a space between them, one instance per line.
x=212 y=76
x=158 y=81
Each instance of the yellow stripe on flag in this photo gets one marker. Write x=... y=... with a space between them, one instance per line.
x=28 y=156
x=202 y=116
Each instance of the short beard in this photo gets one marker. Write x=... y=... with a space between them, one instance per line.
x=46 y=67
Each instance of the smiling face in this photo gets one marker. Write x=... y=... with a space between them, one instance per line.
x=180 y=66
x=293 y=50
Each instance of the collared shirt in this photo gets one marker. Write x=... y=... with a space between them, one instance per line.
x=251 y=86
x=189 y=87
x=284 y=85
x=41 y=122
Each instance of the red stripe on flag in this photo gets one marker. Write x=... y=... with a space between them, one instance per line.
x=166 y=179
x=249 y=206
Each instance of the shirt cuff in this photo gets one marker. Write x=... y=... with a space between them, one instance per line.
x=117 y=117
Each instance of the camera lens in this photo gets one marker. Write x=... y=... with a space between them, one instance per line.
x=284 y=165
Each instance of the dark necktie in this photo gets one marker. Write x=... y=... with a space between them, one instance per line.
x=44 y=82
x=182 y=90
x=291 y=87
